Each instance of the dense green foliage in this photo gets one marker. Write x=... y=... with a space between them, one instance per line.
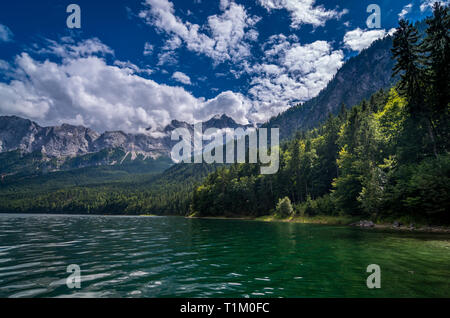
x=104 y=190
x=385 y=157
x=284 y=207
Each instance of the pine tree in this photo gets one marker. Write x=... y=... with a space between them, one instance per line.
x=294 y=171
x=437 y=48
x=410 y=65
x=343 y=112
x=406 y=51
x=284 y=207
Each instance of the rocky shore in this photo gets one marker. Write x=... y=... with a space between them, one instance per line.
x=402 y=227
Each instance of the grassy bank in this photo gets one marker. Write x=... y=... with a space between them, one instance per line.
x=320 y=219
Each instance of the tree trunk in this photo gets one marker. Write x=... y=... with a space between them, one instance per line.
x=433 y=139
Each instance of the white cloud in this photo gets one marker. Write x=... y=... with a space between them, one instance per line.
x=167 y=58
x=67 y=48
x=168 y=55
x=406 y=9
x=182 y=78
x=233 y=104
x=132 y=68
x=5 y=34
x=87 y=90
x=148 y=49
x=225 y=38
x=4 y=66
x=304 y=11
x=358 y=40
x=291 y=73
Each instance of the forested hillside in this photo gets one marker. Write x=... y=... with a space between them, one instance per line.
x=105 y=190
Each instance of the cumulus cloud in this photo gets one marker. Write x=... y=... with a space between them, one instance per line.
x=358 y=39
x=226 y=35
x=304 y=11
x=288 y=73
x=182 y=78
x=5 y=34
x=233 y=104
x=291 y=73
x=86 y=90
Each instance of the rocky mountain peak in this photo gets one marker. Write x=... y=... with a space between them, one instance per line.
x=69 y=141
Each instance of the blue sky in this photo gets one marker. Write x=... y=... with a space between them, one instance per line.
x=139 y=64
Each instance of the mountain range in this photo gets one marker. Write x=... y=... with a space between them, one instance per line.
x=26 y=147
x=68 y=147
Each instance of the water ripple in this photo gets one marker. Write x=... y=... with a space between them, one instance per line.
x=168 y=257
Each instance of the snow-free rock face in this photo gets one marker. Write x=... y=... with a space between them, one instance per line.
x=17 y=133
x=66 y=140
x=60 y=141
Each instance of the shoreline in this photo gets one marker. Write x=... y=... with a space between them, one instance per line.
x=335 y=220
x=319 y=220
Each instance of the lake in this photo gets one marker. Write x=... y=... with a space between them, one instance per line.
x=178 y=257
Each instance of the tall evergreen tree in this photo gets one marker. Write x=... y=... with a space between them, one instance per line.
x=410 y=65
x=406 y=50
x=437 y=48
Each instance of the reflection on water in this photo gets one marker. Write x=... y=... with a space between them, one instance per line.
x=177 y=257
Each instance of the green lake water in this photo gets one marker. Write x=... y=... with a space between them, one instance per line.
x=177 y=257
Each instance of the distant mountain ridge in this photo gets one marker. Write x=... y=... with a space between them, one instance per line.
x=67 y=140
x=68 y=147
x=17 y=133
x=359 y=78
